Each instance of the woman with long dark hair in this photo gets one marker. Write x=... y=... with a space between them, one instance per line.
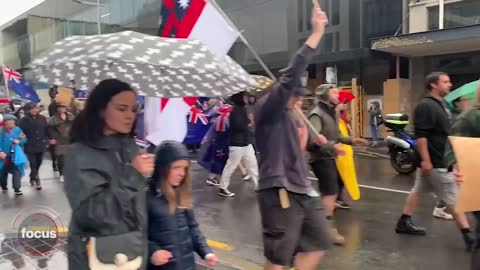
x=105 y=179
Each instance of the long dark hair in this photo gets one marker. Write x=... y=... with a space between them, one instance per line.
x=89 y=125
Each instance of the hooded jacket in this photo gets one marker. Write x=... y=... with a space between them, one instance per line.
x=375 y=113
x=179 y=232
x=325 y=120
x=36 y=130
x=282 y=162
x=239 y=121
x=100 y=206
x=59 y=129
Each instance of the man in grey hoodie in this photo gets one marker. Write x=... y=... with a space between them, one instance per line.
x=294 y=226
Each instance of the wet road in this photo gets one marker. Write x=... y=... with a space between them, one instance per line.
x=232 y=225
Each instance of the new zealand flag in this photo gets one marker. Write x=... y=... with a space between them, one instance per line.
x=19 y=85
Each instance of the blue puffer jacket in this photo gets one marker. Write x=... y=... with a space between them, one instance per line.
x=6 y=139
x=177 y=233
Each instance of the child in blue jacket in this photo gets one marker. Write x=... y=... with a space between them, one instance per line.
x=173 y=233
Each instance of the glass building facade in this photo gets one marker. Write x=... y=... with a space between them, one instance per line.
x=275 y=28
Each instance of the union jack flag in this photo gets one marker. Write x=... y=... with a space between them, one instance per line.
x=221 y=123
x=195 y=115
x=11 y=74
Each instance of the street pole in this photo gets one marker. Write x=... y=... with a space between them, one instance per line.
x=441 y=13
x=99 y=17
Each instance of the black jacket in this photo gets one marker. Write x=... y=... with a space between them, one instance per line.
x=240 y=134
x=432 y=121
x=282 y=162
x=36 y=130
x=52 y=108
x=177 y=233
x=100 y=206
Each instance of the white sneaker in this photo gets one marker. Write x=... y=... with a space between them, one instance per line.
x=440 y=213
x=62 y=179
x=226 y=193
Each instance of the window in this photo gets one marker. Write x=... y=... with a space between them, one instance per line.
x=335 y=12
x=457 y=14
x=300 y=9
x=433 y=18
x=327 y=43
x=309 y=12
x=381 y=18
x=337 y=42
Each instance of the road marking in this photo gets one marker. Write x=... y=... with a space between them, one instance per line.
x=385 y=189
x=375 y=154
x=374 y=187
x=366 y=154
x=212 y=243
x=219 y=245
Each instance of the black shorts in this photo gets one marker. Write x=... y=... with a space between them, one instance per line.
x=328 y=177
x=300 y=228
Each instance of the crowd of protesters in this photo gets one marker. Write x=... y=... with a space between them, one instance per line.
x=137 y=206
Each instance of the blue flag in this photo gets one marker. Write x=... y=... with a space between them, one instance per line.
x=80 y=94
x=19 y=85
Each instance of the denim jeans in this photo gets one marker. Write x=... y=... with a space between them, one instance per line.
x=374 y=132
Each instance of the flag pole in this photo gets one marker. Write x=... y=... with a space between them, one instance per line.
x=258 y=58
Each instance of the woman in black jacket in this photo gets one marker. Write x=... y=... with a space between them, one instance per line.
x=173 y=232
x=105 y=179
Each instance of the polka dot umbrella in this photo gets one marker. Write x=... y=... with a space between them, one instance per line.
x=262 y=83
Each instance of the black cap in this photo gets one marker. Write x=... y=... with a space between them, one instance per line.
x=29 y=106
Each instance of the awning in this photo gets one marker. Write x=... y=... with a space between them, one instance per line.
x=437 y=42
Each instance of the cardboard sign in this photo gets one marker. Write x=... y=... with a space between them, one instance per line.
x=468 y=163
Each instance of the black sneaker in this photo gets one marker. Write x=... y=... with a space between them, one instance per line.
x=213 y=182
x=226 y=193
x=406 y=226
x=32 y=181
x=18 y=192
x=342 y=205
x=38 y=186
x=4 y=190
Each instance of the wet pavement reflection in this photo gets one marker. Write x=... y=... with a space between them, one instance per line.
x=233 y=226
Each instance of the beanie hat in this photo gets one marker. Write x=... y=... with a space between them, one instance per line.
x=167 y=153
x=29 y=106
x=322 y=91
x=9 y=117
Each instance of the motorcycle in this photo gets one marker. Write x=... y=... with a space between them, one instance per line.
x=401 y=146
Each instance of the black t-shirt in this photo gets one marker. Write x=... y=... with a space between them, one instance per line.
x=432 y=121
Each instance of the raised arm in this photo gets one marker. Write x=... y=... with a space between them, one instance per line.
x=281 y=92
